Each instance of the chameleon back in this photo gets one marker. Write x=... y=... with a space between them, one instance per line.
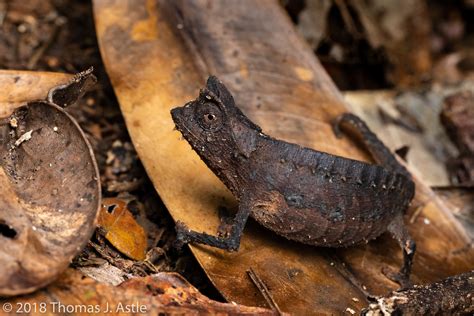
x=321 y=199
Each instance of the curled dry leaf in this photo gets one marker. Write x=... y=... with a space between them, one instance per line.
x=19 y=87
x=159 y=53
x=121 y=229
x=167 y=293
x=50 y=192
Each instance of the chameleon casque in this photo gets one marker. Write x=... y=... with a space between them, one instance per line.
x=299 y=193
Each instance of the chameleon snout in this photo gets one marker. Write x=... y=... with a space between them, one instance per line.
x=176 y=114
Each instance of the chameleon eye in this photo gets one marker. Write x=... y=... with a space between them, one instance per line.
x=209 y=116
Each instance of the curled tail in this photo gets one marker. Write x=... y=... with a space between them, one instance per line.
x=382 y=155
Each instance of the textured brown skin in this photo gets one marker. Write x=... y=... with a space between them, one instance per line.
x=451 y=296
x=302 y=194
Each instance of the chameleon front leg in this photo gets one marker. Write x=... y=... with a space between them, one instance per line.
x=382 y=155
x=400 y=233
x=230 y=243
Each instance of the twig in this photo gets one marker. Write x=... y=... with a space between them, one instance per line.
x=23 y=138
x=467 y=186
x=416 y=214
x=346 y=273
x=264 y=290
x=347 y=18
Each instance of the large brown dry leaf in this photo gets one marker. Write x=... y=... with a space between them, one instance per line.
x=49 y=188
x=158 y=54
x=168 y=293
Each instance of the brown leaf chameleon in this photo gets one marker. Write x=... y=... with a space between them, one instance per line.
x=302 y=194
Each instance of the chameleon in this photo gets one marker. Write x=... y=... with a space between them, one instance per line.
x=302 y=194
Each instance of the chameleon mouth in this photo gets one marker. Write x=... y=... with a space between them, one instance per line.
x=179 y=119
x=176 y=114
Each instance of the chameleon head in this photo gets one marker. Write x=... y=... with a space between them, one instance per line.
x=213 y=125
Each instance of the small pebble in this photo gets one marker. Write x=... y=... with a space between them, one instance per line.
x=22 y=28
x=23 y=138
x=90 y=101
x=14 y=122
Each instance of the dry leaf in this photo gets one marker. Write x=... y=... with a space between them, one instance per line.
x=458 y=119
x=50 y=192
x=121 y=229
x=169 y=293
x=403 y=29
x=395 y=117
x=312 y=21
x=428 y=149
x=20 y=87
x=461 y=203
x=159 y=53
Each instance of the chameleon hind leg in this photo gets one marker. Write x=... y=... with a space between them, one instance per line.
x=382 y=155
x=399 y=232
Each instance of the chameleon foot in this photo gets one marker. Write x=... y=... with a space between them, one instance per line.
x=182 y=237
x=401 y=278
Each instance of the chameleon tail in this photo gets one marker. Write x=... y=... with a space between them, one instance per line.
x=381 y=154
